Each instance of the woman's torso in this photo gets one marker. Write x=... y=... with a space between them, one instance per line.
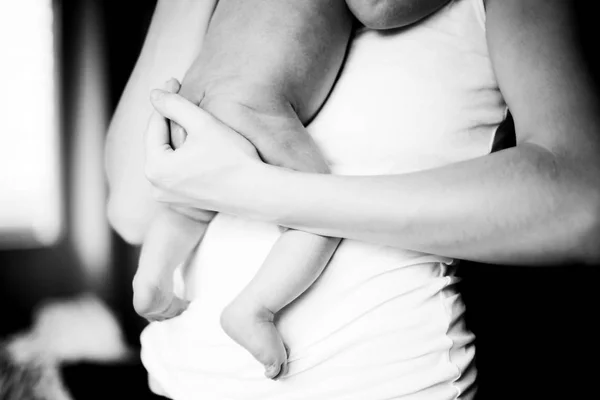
x=380 y=322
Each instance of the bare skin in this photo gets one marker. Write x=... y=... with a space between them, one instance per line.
x=388 y=14
x=267 y=86
x=532 y=204
x=532 y=51
x=267 y=96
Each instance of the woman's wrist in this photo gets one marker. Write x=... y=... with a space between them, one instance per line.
x=268 y=193
x=280 y=196
x=260 y=191
x=248 y=191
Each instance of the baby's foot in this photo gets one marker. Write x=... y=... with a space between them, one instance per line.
x=252 y=327
x=156 y=301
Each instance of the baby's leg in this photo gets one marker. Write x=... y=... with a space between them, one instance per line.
x=168 y=243
x=296 y=260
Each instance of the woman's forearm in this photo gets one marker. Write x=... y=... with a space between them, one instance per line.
x=518 y=206
x=174 y=38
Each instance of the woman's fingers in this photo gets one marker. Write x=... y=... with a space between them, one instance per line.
x=172 y=85
x=179 y=110
x=178 y=134
x=212 y=153
x=157 y=135
x=157 y=140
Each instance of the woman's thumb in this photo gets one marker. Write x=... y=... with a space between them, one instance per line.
x=178 y=109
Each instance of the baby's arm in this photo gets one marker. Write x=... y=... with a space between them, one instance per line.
x=265 y=69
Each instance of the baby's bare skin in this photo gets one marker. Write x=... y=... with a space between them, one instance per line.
x=167 y=244
x=266 y=87
x=265 y=69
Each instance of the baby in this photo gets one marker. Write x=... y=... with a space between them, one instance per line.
x=265 y=69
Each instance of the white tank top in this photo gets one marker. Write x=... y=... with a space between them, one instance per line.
x=381 y=322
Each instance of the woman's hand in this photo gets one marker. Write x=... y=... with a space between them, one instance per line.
x=203 y=171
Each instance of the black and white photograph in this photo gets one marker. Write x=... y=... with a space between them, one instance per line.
x=299 y=199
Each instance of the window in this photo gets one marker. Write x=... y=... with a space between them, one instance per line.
x=30 y=181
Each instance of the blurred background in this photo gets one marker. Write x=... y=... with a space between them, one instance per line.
x=64 y=65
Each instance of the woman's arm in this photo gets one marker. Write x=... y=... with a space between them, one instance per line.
x=173 y=40
x=537 y=203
